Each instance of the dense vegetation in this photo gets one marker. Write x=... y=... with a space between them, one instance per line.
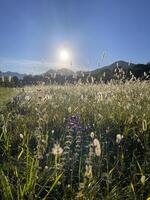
x=6 y=94
x=82 y=141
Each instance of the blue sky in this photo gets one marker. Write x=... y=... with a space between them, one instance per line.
x=33 y=31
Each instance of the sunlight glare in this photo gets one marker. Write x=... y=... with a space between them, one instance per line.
x=64 y=55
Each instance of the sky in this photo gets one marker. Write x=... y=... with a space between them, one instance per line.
x=32 y=32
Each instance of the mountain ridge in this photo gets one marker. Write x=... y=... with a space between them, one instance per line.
x=69 y=72
x=12 y=74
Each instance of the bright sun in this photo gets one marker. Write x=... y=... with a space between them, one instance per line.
x=64 y=55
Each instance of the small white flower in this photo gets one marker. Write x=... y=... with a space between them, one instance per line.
x=47 y=96
x=69 y=109
x=21 y=136
x=119 y=137
x=52 y=131
x=92 y=134
x=27 y=97
x=46 y=167
x=43 y=141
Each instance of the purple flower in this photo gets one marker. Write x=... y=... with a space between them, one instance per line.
x=73 y=123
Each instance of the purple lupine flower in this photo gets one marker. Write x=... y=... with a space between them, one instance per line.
x=73 y=123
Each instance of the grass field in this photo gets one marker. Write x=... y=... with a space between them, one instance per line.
x=5 y=95
x=86 y=142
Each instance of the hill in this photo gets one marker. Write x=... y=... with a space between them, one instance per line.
x=12 y=74
x=117 y=70
x=62 y=72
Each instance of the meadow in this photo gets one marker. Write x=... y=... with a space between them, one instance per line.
x=83 y=141
x=6 y=94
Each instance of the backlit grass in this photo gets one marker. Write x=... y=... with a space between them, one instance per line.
x=5 y=95
x=81 y=141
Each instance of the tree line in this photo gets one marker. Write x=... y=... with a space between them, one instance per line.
x=141 y=72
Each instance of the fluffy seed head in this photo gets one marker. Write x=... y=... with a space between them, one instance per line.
x=119 y=137
x=97 y=147
x=57 y=150
x=88 y=171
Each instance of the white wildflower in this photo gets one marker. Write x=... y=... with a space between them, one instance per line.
x=92 y=134
x=52 y=131
x=47 y=96
x=21 y=136
x=69 y=109
x=46 y=167
x=43 y=141
x=27 y=97
x=119 y=137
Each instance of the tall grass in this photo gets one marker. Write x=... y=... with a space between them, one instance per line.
x=6 y=94
x=81 y=141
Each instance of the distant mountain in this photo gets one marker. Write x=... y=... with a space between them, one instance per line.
x=65 y=72
x=8 y=73
x=123 y=64
x=62 y=72
x=106 y=73
x=137 y=69
x=50 y=71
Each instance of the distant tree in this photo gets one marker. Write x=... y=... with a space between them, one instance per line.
x=15 y=81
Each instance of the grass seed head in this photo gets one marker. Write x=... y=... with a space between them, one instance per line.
x=97 y=147
x=57 y=150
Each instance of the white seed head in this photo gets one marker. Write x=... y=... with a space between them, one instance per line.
x=92 y=134
x=27 y=97
x=144 y=125
x=88 y=171
x=57 y=150
x=43 y=141
x=119 y=137
x=46 y=167
x=143 y=179
x=97 y=147
x=21 y=136
x=69 y=109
